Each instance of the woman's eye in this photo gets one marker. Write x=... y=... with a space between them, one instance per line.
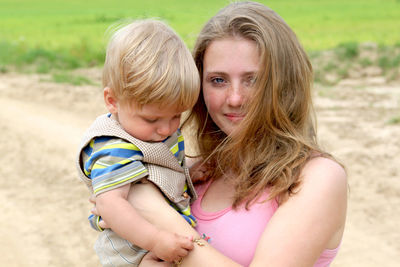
x=250 y=81
x=217 y=80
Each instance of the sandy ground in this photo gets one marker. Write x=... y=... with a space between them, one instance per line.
x=44 y=206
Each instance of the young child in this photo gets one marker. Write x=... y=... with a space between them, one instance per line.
x=149 y=78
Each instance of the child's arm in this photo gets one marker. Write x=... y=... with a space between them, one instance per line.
x=125 y=221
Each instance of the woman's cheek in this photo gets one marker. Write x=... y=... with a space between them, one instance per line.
x=214 y=100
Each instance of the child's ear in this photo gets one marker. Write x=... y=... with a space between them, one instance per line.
x=110 y=100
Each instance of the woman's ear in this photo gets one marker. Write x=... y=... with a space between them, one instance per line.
x=110 y=100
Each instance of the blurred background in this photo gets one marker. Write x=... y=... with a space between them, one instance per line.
x=51 y=55
x=61 y=34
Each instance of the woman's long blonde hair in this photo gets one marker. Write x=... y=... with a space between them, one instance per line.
x=277 y=136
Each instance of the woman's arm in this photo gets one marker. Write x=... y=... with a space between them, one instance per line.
x=161 y=214
x=309 y=221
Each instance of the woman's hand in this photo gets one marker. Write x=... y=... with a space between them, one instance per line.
x=199 y=172
x=151 y=260
x=94 y=211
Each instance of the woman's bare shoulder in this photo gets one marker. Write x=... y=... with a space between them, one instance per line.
x=318 y=207
x=323 y=180
x=324 y=172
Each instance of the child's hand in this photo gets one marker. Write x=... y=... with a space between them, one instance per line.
x=94 y=211
x=171 y=247
x=151 y=260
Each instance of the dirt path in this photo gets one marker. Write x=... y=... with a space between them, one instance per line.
x=43 y=203
x=44 y=206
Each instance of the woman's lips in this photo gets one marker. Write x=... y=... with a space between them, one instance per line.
x=234 y=117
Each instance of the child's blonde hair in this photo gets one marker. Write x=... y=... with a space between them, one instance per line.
x=147 y=62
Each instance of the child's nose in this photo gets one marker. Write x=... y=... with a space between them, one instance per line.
x=164 y=129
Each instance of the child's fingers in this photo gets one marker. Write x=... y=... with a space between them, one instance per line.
x=151 y=260
x=187 y=244
x=92 y=199
x=184 y=242
x=182 y=253
x=103 y=224
x=94 y=211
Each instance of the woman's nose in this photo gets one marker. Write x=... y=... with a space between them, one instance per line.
x=235 y=97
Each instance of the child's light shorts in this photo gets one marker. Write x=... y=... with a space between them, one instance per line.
x=114 y=251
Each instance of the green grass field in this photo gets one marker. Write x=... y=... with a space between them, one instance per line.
x=70 y=34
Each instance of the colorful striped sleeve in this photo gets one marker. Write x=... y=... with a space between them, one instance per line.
x=111 y=162
x=176 y=145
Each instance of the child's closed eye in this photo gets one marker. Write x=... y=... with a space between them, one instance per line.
x=150 y=120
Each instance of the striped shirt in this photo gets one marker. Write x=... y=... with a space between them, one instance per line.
x=111 y=162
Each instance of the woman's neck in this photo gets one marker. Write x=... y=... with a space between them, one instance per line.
x=219 y=195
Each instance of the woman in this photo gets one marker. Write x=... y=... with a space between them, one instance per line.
x=270 y=196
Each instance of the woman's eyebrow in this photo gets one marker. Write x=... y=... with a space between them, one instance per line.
x=215 y=72
x=250 y=72
x=225 y=73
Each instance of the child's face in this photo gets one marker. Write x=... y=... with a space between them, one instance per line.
x=150 y=122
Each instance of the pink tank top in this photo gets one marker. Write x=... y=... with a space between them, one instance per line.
x=235 y=233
